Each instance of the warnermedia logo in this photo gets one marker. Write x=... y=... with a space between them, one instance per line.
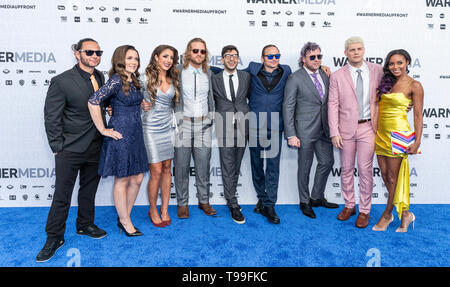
x=26 y=172
x=27 y=57
x=311 y=2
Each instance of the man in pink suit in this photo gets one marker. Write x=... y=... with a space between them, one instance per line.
x=353 y=116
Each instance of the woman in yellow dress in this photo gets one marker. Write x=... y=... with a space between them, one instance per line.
x=395 y=92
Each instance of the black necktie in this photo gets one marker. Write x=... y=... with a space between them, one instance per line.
x=233 y=96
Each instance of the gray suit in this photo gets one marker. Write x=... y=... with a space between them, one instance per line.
x=232 y=135
x=193 y=138
x=306 y=117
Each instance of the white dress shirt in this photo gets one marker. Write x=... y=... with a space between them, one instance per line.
x=226 y=82
x=195 y=94
x=366 y=83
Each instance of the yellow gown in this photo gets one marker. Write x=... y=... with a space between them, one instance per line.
x=392 y=117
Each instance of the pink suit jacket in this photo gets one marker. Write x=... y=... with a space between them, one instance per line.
x=343 y=104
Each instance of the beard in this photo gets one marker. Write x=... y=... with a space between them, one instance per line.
x=86 y=63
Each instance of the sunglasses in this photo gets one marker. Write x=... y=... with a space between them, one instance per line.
x=270 y=56
x=313 y=57
x=196 y=51
x=91 y=52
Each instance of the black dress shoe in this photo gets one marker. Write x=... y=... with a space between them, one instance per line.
x=323 y=202
x=92 y=231
x=258 y=207
x=269 y=212
x=134 y=234
x=307 y=210
x=49 y=249
x=237 y=215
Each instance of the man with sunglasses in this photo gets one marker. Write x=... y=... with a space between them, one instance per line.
x=266 y=97
x=305 y=114
x=76 y=144
x=195 y=114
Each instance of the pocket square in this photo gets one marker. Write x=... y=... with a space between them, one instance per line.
x=400 y=140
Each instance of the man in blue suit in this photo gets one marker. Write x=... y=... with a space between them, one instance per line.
x=266 y=101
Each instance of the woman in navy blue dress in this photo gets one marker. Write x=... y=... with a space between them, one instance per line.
x=123 y=152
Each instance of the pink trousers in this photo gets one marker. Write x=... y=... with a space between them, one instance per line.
x=362 y=145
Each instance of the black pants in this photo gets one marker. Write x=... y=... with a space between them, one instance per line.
x=265 y=180
x=230 y=162
x=67 y=166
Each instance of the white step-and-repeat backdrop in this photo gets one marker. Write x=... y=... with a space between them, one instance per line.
x=35 y=46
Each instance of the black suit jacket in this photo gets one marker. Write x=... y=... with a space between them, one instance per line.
x=68 y=123
x=224 y=105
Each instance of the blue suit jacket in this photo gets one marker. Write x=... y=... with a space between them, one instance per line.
x=262 y=100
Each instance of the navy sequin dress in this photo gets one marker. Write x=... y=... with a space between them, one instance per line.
x=127 y=156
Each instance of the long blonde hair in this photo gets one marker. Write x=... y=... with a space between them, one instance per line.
x=118 y=67
x=152 y=73
x=187 y=54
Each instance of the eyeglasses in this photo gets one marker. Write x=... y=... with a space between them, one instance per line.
x=91 y=52
x=270 y=56
x=196 y=51
x=231 y=56
x=313 y=57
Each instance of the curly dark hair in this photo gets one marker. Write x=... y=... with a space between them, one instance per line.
x=388 y=80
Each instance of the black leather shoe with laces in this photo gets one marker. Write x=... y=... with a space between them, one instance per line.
x=237 y=215
x=49 y=249
x=92 y=231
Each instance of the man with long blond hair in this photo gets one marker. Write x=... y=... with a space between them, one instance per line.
x=194 y=119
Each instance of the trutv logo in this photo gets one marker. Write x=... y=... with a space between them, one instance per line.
x=438 y=3
x=27 y=57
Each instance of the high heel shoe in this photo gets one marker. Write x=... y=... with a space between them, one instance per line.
x=134 y=234
x=162 y=224
x=376 y=227
x=405 y=229
x=118 y=220
x=166 y=222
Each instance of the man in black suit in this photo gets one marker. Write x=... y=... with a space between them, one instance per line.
x=231 y=90
x=76 y=144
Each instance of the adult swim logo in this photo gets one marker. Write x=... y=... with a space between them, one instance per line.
x=27 y=57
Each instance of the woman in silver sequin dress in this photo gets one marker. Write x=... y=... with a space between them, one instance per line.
x=161 y=90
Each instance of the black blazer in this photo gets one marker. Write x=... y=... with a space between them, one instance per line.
x=67 y=120
x=224 y=105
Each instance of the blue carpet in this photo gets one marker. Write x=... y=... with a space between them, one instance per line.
x=203 y=241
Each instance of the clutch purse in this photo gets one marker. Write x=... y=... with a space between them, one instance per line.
x=400 y=140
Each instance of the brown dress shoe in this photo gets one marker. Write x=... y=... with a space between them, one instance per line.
x=207 y=209
x=346 y=213
x=362 y=221
x=183 y=211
